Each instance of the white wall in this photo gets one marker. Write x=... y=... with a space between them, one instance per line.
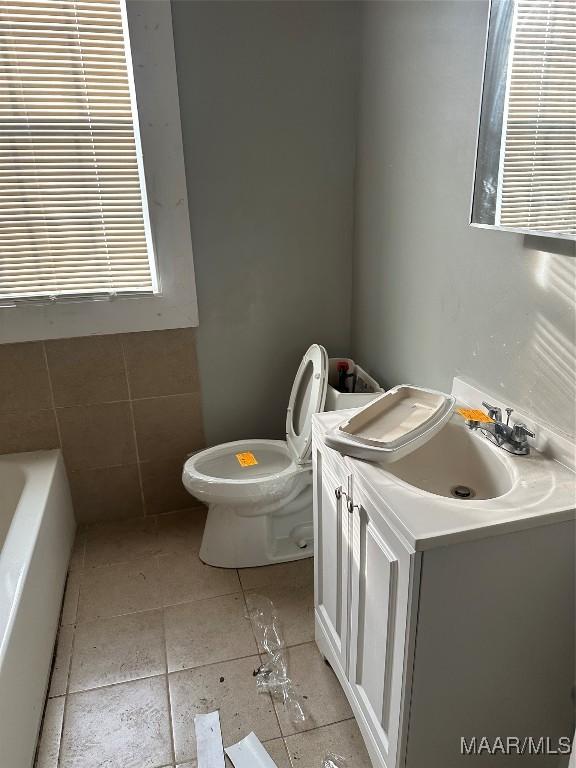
x=267 y=99
x=433 y=297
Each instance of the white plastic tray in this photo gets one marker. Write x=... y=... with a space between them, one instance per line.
x=395 y=424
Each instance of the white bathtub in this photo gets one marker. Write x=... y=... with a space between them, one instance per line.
x=36 y=534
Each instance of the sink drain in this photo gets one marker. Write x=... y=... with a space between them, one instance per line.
x=462 y=492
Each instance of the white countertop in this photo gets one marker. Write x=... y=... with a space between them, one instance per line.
x=543 y=491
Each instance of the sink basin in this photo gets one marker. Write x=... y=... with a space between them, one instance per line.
x=455 y=463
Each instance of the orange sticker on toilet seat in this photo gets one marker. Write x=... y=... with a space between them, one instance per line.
x=246 y=459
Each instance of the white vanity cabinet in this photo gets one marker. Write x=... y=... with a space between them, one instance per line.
x=435 y=642
x=333 y=556
x=363 y=577
x=382 y=567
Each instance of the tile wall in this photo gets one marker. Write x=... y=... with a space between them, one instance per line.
x=125 y=409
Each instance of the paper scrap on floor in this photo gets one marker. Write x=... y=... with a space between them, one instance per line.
x=210 y=751
x=250 y=753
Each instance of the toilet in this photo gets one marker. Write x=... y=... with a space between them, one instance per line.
x=259 y=492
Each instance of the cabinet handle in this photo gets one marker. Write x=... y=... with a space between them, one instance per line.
x=338 y=493
x=351 y=506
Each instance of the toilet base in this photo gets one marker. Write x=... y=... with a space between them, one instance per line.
x=233 y=539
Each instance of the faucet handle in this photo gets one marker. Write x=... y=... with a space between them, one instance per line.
x=520 y=433
x=494 y=412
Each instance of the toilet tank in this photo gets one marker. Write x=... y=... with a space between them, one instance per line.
x=360 y=387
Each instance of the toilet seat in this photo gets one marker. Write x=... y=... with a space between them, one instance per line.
x=216 y=476
x=308 y=397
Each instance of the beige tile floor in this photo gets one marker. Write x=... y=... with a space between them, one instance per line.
x=150 y=636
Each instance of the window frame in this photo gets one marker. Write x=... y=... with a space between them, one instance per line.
x=158 y=110
x=491 y=119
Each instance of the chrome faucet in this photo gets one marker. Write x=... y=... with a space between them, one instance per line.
x=513 y=439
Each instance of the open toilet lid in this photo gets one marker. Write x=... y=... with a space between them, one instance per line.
x=307 y=398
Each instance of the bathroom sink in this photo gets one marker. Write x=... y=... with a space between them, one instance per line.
x=460 y=485
x=455 y=463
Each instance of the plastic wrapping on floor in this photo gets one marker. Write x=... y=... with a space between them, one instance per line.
x=273 y=675
x=334 y=761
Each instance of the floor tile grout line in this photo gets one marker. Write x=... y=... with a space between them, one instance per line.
x=167 y=682
x=213 y=664
x=318 y=728
x=144 y=557
x=247 y=616
x=138 y=679
x=201 y=599
x=157 y=674
x=62 y=728
x=66 y=695
x=115 y=685
x=168 y=672
x=72 y=646
x=68 y=676
x=195 y=508
x=161 y=607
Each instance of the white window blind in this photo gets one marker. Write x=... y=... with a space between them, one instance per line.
x=73 y=211
x=538 y=161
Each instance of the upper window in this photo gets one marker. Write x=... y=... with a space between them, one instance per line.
x=526 y=164
x=73 y=209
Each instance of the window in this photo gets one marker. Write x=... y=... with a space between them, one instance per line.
x=526 y=165
x=150 y=299
x=73 y=211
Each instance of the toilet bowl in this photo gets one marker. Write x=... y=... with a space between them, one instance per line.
x=259 y=492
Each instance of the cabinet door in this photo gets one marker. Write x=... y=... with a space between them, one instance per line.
x=332 y=553
x=378 y=611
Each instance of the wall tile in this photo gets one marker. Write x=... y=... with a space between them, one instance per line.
x=24 y=383
x=168 y=427
x=89 y=369
x=97 y=435
x=87 y=380
x=28 y=431
x=111 y=493
x=163 y=488
x=161 y=362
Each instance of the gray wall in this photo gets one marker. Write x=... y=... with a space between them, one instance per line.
x=267 y=94
x=432 y=297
